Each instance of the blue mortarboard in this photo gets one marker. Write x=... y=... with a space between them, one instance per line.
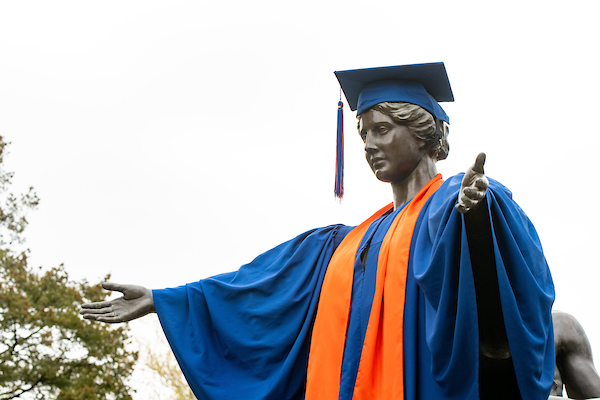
x=422 y=84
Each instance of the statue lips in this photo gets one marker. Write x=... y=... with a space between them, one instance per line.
x=375 y=161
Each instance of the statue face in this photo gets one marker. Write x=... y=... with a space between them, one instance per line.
x=392 y=151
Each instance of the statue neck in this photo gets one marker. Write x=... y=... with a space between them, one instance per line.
x=408 y=188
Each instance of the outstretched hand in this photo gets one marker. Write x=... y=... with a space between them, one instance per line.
x=136 y=302
x=474 y=186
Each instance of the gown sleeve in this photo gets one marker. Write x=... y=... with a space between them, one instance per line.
x=443 y=271
x=246 y=334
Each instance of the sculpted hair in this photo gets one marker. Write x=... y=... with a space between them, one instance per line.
x=421 y=124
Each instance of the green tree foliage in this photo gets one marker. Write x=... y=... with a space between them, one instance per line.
x=46 y=350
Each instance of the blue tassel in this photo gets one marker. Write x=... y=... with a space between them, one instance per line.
x=339 y=161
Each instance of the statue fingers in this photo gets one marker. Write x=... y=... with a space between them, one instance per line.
x=113 y=315
x=114 y=286
x=468 y=202
x=96 y=311
x=469 y=199
x=117 y=315
x=474 y=193
x=479 y=161
x=482 y=183
x=461 y=208
x=112 y=319
x=96 y=305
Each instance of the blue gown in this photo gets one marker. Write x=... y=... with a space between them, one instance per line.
x=246 y=334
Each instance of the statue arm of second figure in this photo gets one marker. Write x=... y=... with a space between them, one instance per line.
x=574 y=364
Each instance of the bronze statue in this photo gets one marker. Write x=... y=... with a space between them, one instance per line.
x=404 y=131
x=574 y=365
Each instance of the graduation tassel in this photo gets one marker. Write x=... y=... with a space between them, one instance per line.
x=339 y=161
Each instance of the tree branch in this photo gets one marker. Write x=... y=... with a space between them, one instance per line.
x=13 y=395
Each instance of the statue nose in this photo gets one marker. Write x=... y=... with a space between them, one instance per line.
x=369 y=145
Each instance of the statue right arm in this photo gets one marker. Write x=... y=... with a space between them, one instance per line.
x=136 y=302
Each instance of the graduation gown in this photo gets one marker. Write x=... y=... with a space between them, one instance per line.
x=247 y=334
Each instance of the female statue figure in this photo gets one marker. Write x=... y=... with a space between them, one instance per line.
x=442 y=294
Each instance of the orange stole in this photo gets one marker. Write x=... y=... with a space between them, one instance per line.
x=380 y=372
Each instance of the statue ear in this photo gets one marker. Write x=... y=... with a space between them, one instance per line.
x=439 y=146
x=439 y=128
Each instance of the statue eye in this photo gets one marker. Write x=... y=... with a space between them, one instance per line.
x=382 y=129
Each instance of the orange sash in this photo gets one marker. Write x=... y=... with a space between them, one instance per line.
x=380 y=373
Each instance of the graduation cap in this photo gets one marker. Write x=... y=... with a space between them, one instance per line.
x=422 y=84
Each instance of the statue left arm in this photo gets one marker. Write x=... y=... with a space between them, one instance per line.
x=473 y=204
x=496 y=368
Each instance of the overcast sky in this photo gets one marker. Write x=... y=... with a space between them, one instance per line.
x=170 y=141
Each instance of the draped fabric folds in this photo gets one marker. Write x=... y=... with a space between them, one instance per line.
x=441 y=300
x=247 y=334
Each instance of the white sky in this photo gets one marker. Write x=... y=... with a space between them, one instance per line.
x=170 y=141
